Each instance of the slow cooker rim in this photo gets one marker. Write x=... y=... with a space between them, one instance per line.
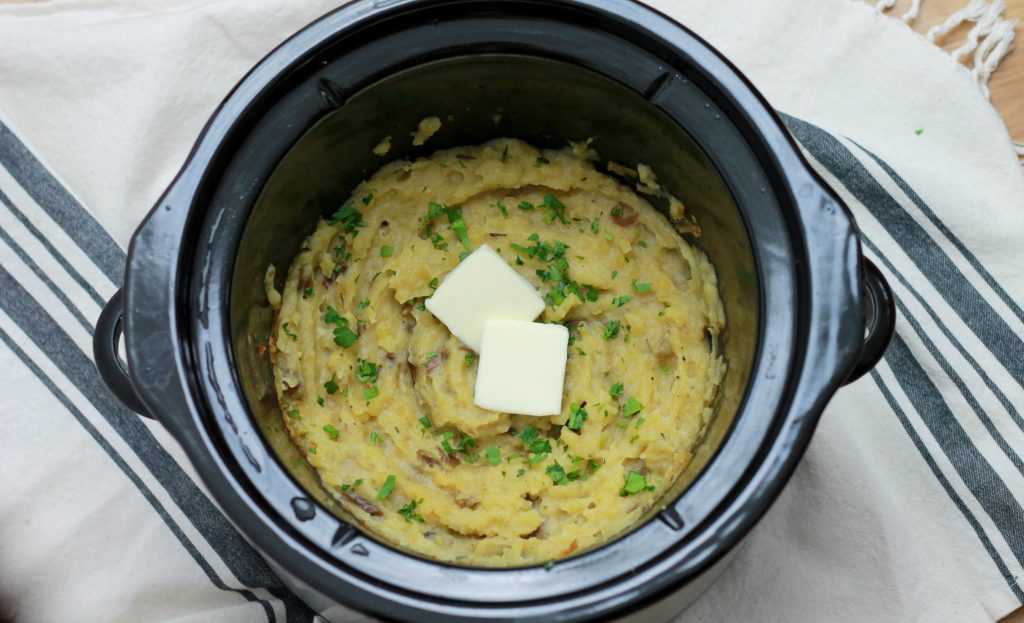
x=193 y=163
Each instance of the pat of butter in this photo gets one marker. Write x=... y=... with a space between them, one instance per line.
x=522 y=367
x=483 y=287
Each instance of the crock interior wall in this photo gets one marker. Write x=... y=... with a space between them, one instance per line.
x=544 y=102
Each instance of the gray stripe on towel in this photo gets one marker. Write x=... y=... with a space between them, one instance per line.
x=131 y=475
x=960 y=246
x=1011 y=581
x=934 y=264
x=55 y=343
x=43 y=240
x=244 y=562
x=985 y=484
x=78 y=222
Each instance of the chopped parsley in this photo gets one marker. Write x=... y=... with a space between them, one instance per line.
x=470 y=359
x=464 y=446
x=409 y=511
x=387 y=488
x=530 y=439
x=446 y=438
x=342 y=253
x=632 y=407
x=433 y=283
x=332 y=316
x=541 y=161
x=387 y=251
x=331 y=431
x=502 y=209
x=556 y=272
x=493 y=455
x=616 y=391
x=363 y=304
x=374 y=437
x=557 y=473
x=348 y=218
x=367 y=371
x=293 y=413
x=289 y=333
x=343 y=335
x=615 y=274
x=458 y=225
x=611 y=329
x=919 y=132
x=438 y=241
x=526 y=206
x=425 y=424
x=635 y=483
x=640 y=288
x=331 y=386
x=371 y=393
x=595 y=226
x=346 y=487
x=554 y=210
x=577 y=415
x=367 y=199
x=537 y=458
x=619 y=301
x=320 y=400
x=560 y=477
x=308 y=293
x=434 y=210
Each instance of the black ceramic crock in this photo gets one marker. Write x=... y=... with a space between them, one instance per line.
x=806 y=312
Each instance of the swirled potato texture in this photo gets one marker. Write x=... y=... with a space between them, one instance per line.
x=379 y=395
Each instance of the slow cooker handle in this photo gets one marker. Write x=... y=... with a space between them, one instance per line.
x=879 y=320
x=111 y=367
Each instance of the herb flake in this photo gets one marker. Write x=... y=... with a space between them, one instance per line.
x=493 y=454
x=409 y=511
x=632 y=407
x=635 y=483
x=577 y=415
x=387 y=488
x=332 y=432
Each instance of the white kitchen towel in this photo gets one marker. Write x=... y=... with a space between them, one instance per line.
x=908 y=505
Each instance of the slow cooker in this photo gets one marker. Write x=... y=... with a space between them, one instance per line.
x=806 y=312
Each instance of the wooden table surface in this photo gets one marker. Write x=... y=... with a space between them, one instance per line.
x=1007 y=83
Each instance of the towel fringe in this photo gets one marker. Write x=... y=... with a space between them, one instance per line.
x=912 y=12
x=987 y=43
x=983 y=27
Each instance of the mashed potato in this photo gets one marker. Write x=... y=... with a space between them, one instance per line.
x=379 y=395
